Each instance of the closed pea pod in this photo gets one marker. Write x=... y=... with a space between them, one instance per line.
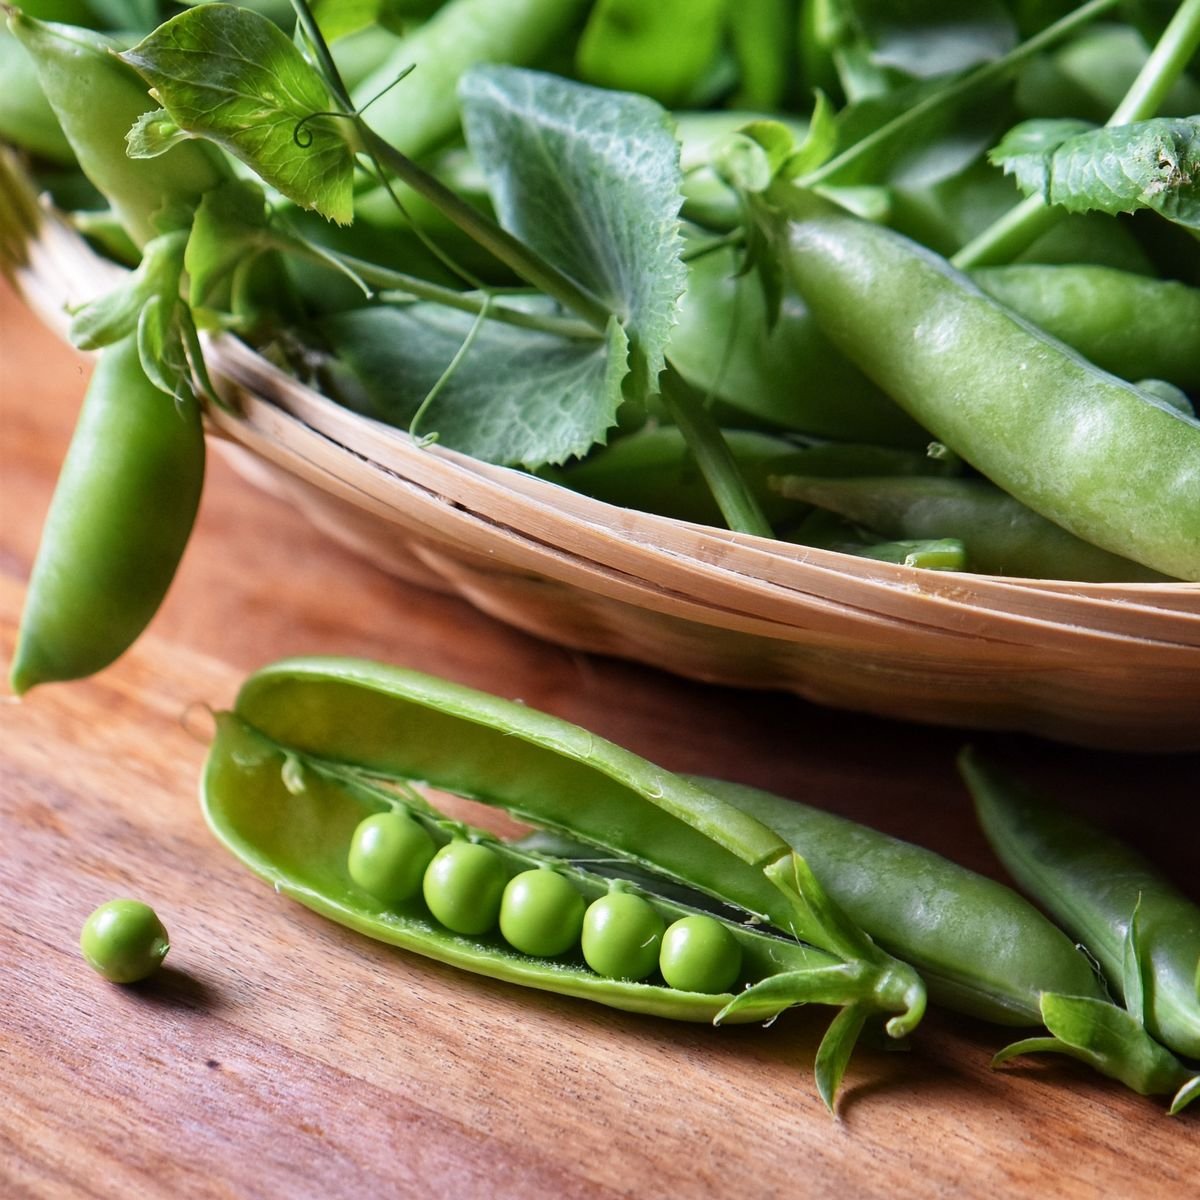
x=981 y=948
x=1001 y=536
x=122 y=511
x=97 y=99
x=1132 y=325
x=1079 y=446
x=1143 y=931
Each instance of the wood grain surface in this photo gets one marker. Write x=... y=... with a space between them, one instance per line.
x=281 y=1056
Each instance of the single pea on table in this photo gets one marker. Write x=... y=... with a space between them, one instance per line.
x=124 y=941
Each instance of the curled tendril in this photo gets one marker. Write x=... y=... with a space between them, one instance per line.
x=303 y=136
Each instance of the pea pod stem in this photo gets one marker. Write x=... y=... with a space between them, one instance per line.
x=738 y=504
x=1022 y=225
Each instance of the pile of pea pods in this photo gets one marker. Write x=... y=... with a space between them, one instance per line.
x=686 y=898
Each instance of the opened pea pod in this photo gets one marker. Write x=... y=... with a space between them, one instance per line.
x=316 y=748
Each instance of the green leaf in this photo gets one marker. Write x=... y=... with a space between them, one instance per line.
x=845 y=983
x=1151 y=164
x=153 y=133
x=114 y=316
x=230 y=228
x=1185 y=1095
x=819 y=143
x=590 y=179
x=161 y=346
x=1025 y=150
x=833 y=1054
x=519 y=397
x=1107 y=1038
x=231 y=76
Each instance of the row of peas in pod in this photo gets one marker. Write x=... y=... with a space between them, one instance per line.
x=468 y=888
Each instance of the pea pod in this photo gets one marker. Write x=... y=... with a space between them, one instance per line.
x=981 y=948
x=785 y=374
x=1143 y=931
x=1129 y=324
x=419 y=114
x=315 y=745
x=121 y=515
x=1082 y=448
x=1001 y=535
x=97 y=98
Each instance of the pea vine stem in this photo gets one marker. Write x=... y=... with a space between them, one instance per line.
x=713 y=456
x=702 y=434
x=1022 y=225
x=511 y=251
x=976 y=80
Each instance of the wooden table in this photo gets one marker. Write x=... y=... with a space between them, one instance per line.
x=280 y=1056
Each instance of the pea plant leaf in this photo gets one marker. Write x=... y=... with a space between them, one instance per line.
x=230 y=228
x=232 y=76
x=590 y=179
x=114 y=316
x=1108 y=1039
x=518 y=397
x=1119 y=169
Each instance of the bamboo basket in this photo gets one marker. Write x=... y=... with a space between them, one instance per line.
x=1112 y=665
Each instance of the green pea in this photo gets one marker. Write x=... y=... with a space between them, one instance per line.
x=388 y=856
x=124 y=941
x=621 y=936
x=541 y=913
x=699 y=954
x=464 y=886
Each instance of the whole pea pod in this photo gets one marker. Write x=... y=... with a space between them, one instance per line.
x=1000 y=535
x=97 y=99
x=315 y=747
x=421 y=113
x=1086 y=450
x=1133 y=325
x=1143 y=931
x=122 y=511
x=981 y=948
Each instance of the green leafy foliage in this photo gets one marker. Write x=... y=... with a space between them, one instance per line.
x=231 y=76
x=114 y=316
x=229 y=230
x=1150 y=164
x=1112 y=1041
x=590 y=179
x=517 y=397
